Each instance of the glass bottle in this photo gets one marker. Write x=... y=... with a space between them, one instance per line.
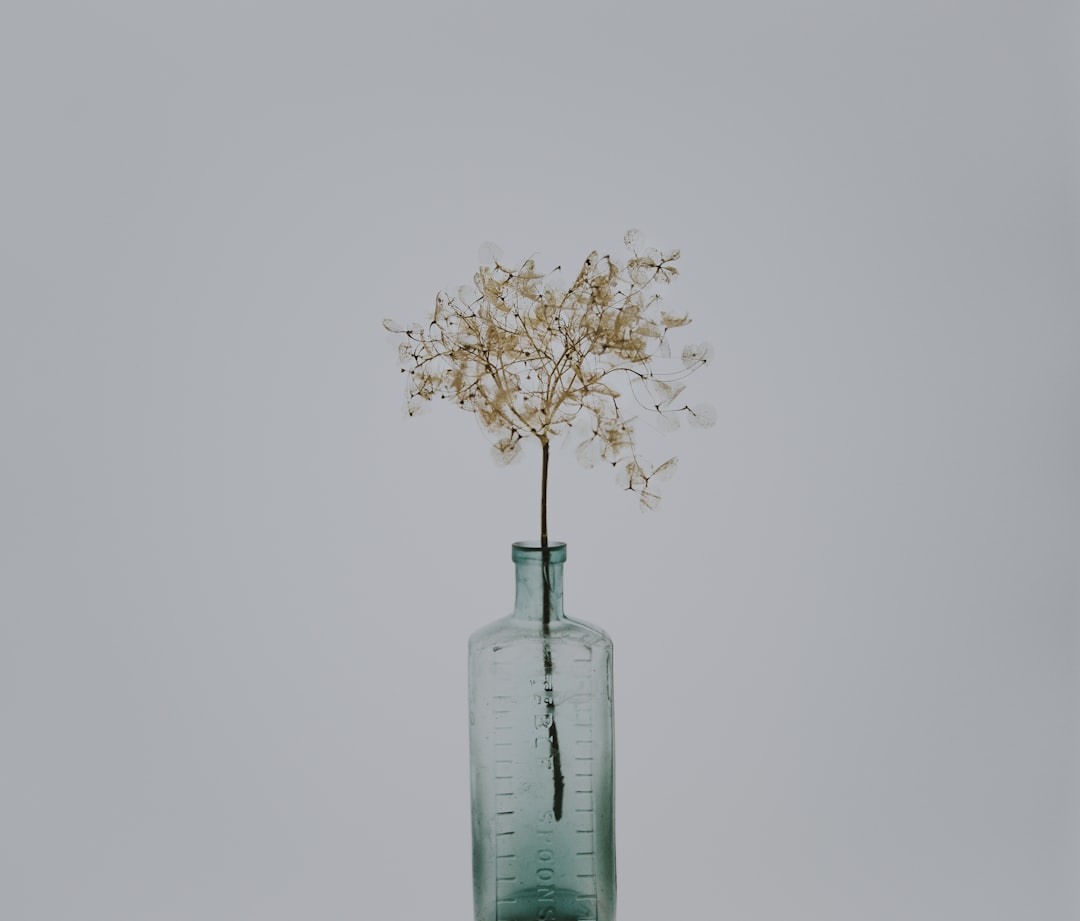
x=542 y=756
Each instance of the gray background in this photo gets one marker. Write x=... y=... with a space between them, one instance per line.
x=236 y=582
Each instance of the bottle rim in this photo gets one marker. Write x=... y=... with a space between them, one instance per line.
x=524 y=551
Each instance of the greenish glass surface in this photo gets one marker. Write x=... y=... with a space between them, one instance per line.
x=542 y=756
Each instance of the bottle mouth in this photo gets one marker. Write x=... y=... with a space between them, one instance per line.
x=526 y=551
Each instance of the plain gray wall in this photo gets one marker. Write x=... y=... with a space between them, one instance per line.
x=236 y=581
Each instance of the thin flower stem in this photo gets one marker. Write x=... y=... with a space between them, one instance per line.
x=544 y=456
x=545 y=564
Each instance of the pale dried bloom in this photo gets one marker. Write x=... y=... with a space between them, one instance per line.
x=533 y=358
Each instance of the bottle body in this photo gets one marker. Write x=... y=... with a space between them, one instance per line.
x=542 y=758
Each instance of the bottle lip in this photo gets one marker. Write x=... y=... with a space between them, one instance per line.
x=524 y=551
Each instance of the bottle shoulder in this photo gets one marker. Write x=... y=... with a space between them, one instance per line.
x=512 y=631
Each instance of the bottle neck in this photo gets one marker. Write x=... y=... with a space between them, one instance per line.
x=538 y=583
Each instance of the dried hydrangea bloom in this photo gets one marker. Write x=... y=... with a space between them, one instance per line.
x=532 y=357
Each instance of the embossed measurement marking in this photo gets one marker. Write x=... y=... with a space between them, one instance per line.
x=544 y=867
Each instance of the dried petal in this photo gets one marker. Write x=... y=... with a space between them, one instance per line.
x=506 y=450
x=649 y=500
x=666 y=272
x=632 y=475
x=665 y=471
x=703 y=415
x=641 y=270
x=666 y=421
x=694 y=355
x=665 y=392
x=490 y=253
x=588 y=453
x=671 y=320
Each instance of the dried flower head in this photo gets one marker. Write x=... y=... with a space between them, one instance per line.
x=534 y=358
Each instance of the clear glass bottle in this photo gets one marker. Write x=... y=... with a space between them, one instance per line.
x=541 y=747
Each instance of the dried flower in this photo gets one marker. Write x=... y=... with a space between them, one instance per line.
x=533 y=358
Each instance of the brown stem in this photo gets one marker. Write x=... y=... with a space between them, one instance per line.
x=545 y=563
x=545 y=452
